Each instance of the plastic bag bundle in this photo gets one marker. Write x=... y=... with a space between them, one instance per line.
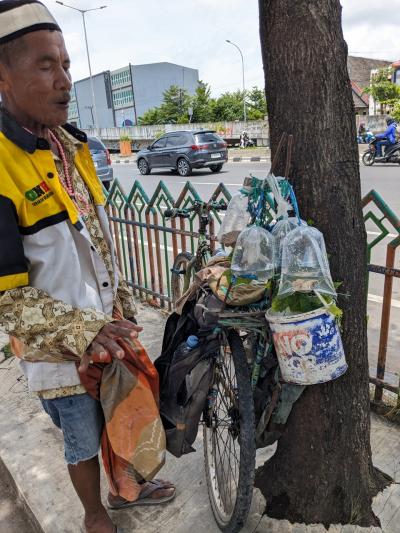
x=305 y=266
x=254 y=254
x=283 y=207
x=279 y=231
x=235 y=220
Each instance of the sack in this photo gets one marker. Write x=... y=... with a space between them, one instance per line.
x=243 y=292
x=184 y=382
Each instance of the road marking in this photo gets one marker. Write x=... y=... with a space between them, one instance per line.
x=378 y=299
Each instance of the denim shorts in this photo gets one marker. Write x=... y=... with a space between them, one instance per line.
x=80 y=418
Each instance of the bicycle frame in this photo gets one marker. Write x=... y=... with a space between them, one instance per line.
x=203 y=252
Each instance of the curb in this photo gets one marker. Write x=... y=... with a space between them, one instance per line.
x=254 y=159
x=22 y=502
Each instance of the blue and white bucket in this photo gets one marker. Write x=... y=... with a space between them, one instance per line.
x=308 y=346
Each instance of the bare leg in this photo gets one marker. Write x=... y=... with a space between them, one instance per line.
x=85 y=477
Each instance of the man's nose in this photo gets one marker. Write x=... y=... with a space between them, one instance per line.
x=63 y=81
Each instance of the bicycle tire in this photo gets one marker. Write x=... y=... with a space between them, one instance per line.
x=177 y=277
x=233 y=521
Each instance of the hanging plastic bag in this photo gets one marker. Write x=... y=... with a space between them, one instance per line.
x=305 y=266
x=280 y=230
x=254 y=254
x=283 y=207
x=235 y=220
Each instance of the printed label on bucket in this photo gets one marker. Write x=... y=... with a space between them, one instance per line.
x=309 y=351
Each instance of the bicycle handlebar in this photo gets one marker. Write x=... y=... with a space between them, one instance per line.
x=185 y=213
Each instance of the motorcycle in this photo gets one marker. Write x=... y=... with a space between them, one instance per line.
x=391 y=155
x=365 y=138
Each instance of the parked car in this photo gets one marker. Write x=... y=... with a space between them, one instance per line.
x=102 y=161
x=182 y=151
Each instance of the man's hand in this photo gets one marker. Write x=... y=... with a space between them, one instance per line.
x=104 y=344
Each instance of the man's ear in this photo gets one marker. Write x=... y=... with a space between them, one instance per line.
x=4 y=85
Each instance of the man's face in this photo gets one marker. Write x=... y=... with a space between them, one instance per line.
x=36 y=85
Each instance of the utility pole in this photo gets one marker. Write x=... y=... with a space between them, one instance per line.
x=83 y=13
x=244 y=85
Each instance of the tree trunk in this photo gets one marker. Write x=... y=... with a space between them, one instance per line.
x=322 y=471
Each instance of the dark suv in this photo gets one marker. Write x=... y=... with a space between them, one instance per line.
x=183 y=151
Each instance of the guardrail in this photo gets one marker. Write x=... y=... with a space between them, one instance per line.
x=258 y=129
x=147 y=244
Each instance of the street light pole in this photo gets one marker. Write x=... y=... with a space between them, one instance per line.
x=244 y=87
x=83 y=13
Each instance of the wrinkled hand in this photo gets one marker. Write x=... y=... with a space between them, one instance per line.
x=104 y=344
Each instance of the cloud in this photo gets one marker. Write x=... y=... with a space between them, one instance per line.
x=371 y=28
x=193 y=33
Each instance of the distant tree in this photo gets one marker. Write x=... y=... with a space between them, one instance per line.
x=256 y=104
x=175 y=106
x=396 y=111
x=151 y=116
x=202 y=103
x=229 y=106
x=382 y=89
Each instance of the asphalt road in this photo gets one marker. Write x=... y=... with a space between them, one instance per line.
x=384 y=179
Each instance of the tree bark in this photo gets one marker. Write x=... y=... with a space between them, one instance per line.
x=322 y=471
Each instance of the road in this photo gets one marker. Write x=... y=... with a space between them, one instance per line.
x=384 y=179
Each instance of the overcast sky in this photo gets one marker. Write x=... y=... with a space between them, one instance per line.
x=193 y=33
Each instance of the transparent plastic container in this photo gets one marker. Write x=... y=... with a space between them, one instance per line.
x=235 y=220
x=254 y=254
x=305 y=266
x=279 y=231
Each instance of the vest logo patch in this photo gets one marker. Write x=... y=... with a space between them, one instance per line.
x=39 y=194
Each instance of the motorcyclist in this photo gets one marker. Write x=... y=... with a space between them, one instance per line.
x=387 y=138
x=361 y=132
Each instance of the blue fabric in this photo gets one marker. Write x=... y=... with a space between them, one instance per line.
x=390 y=134
x=80 y=418
x=379 y=145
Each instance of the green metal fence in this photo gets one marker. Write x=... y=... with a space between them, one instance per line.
x=381 y=216
x=147 y=243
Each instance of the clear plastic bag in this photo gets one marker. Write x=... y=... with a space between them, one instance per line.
x=305 y=266
x=254 y=254
x=280 y=230
x=235 y=220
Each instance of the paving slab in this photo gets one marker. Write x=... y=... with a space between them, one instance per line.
x=31 y=449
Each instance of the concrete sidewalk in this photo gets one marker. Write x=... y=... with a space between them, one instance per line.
x=32 y=451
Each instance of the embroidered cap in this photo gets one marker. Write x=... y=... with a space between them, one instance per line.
x=19 y=17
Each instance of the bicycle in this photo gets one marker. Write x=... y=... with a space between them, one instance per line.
x=185 y=264
x=229 y=418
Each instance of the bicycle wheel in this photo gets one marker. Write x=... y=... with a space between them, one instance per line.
x=229 y=441
x=178 y=275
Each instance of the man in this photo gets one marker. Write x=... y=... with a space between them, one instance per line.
x=59 y=283
x=388 y=138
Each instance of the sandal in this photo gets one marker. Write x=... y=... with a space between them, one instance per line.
x=145 y=496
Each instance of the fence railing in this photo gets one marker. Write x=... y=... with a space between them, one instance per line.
x=381 y=215
x=147 y=243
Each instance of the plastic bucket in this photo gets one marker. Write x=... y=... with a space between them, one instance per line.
x=308 y=346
